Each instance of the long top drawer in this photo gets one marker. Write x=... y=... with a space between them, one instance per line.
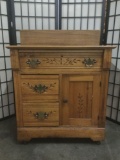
x=36 y=60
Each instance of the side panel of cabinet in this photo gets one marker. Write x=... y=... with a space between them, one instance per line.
x=18 y=99
x=81 y=100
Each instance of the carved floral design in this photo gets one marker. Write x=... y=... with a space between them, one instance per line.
x=71 y=61
x=60 y=61
x=52 y=60
x=40 y=88
x=80 y=105
x=63 y=61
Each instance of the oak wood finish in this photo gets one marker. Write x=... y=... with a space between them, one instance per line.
x=26 y=133
x=60 y=80
x=31 y=110
x=60 y=37
x=57 y=60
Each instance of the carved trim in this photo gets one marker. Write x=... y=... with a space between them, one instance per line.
x=52 y=60
x=71 y=61
x=58 y=61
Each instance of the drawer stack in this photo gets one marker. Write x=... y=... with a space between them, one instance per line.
x=40 y=100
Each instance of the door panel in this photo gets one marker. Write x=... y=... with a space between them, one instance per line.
x=81 y=100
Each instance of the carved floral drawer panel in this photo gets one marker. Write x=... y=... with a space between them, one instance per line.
x=39 y=87
x=40 y=114
x=35 y=60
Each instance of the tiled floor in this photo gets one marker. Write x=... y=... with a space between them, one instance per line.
x=58 y=149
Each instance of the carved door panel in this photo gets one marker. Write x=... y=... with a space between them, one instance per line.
x=81 y=99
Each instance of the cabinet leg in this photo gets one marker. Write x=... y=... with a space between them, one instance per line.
x=97 y=139
x=24 y=141
x=23 y=137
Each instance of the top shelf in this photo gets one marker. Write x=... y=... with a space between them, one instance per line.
x=52 y=47
x=60 y=39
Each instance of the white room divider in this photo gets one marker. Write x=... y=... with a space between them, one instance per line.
x=6 y=81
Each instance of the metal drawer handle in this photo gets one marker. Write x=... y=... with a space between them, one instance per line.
x=89 y=62
x=41 y=115
x=33 y=62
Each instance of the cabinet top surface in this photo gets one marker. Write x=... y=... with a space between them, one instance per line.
x=74 y=47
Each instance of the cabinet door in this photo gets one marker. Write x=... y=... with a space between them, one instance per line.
x=80 y=100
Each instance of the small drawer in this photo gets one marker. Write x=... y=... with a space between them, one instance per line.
x=39 y=87
x=41 y=114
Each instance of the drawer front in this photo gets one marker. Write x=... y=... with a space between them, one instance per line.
x=39 y=87
x=36 y=61
x=40 y=114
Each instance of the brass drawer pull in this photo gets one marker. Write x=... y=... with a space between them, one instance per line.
x=41 y=115
x=89 y=62
x=33 y=62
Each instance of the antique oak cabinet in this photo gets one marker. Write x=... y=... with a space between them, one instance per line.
x=60 y=81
